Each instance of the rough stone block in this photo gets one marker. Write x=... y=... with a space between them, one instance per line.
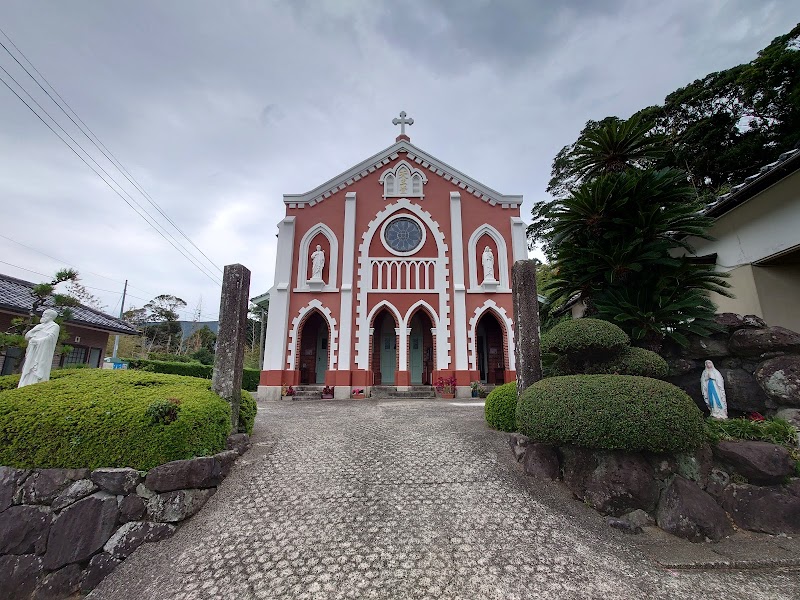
x=518 y=444
x=99 y=567
x=696 y=465
x=76 y=490
x=10 y=480
x=702 y=348
x=771 y=509
x=24 y=529
x=759 y=462
x=730 y=321
x=44 y=485
x=743 y=392
x=541 y=461
x=175 y=506
x=789 y=414
x=81 y=530
x=624 y=525
x=780 y=379
x=239 y=442
x=688 y=512
x=19 y=576
x=59 y=584
x=640 y=518
x=226 y=459
x=718 y=480
x=754 y=342
x=132 y=535
x=611 y=482
x=131 y=508
x=117 y=481
x=203 y=472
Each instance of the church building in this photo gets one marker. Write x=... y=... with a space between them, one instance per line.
x=394 y=273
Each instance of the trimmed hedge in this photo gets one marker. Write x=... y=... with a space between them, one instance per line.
x=96 y=418
x=611 y=412
x=630 y=361
x=250 y=377
x=584 y=339
x=501 y=407
x=10 y=382
x=247 y=413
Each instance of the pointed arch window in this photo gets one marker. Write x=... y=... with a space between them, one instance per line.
x=388 y=185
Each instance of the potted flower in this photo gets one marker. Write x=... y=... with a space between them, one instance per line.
x=358 y=394
x=476 y=386
x=288 y=391
x=446 y=387
x=327 y=392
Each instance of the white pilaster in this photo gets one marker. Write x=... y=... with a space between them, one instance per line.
x=278 y=318
x=348 y=260
x=459 y=323
x=519 y=239
x=402 y=336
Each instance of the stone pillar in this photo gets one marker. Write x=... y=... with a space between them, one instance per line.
x=231 y=338
x=526 y=324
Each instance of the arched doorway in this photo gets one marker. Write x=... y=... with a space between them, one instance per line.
x=384 y=348
x=313 y=350
x=420 y=349
x=491 y=355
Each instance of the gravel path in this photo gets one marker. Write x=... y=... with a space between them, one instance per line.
x=402 y=499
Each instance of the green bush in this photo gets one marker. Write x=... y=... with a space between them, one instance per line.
x=250 y=379
x=584 y=340
x=247 y=413
x=99 y=418
x=613 y=412
x=10 y=382
x=629 y=361
x=187 y=369
x=501 y=407
x=775 y=431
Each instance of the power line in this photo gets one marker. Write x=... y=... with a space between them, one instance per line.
x=144 y=215
x=104 y=150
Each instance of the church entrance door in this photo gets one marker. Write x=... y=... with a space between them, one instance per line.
x=384 y=348
x=388 y=358
x=420 y=349
x=313 y=350
x=489 y=342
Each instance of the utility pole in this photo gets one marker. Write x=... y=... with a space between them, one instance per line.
x=121 y=311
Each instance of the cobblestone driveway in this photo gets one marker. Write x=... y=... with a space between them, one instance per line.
x=401 y=499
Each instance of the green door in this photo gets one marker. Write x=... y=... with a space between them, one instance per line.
x=388 y=358
x=416 y=357
x=322 y=354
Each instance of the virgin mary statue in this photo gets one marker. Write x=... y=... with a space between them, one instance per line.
x=42 y=341
x=713 y=386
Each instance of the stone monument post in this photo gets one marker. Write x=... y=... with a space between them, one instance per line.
x=526 y=324
x=231 y=338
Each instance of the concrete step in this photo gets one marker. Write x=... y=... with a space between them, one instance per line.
x=414 y=391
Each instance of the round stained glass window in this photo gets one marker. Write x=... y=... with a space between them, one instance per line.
x=403 y=235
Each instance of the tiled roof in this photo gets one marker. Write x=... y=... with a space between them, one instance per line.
x=787 y=163
x=17 y=296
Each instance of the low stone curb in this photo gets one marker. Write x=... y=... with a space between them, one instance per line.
x=63 y=530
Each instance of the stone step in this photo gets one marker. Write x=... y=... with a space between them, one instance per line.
x=414 y=391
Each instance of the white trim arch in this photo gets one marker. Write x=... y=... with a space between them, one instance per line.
x=441 y=361
x=502 y=259
x=364 y=279
x=333 y=345
x=390 y=307
x=501 y=315
x=332 y=260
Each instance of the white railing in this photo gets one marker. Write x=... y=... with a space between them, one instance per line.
x=402 y=274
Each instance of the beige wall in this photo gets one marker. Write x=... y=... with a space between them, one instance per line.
x=779 y=294
x=743 y=286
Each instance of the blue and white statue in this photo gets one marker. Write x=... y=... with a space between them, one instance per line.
x=713 y=386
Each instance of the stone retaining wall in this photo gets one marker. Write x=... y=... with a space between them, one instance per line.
x=699 y=496
x=760 y=364
x=63 y=530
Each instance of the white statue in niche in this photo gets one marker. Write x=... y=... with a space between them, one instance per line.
x=713 y=386
x=317 y=263
x=42 y=340
x=488 y=265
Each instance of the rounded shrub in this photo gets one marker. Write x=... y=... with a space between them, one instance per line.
x=611 y=412
x=629 y=361
x=585 y=339
x=95 y=418
x=247 y=413
x=10 y=382
x=501 y=407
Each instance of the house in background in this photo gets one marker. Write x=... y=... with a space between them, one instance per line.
x=88 y=328
x=757 y=241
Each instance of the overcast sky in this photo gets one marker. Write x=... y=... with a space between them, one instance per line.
x=219 y=108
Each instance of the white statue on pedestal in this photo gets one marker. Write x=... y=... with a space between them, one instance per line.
x=488 y=265
x=42 y=340
x=713 y=386
x=317 y=263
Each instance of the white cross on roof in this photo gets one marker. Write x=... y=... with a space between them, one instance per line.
x=402 y=121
